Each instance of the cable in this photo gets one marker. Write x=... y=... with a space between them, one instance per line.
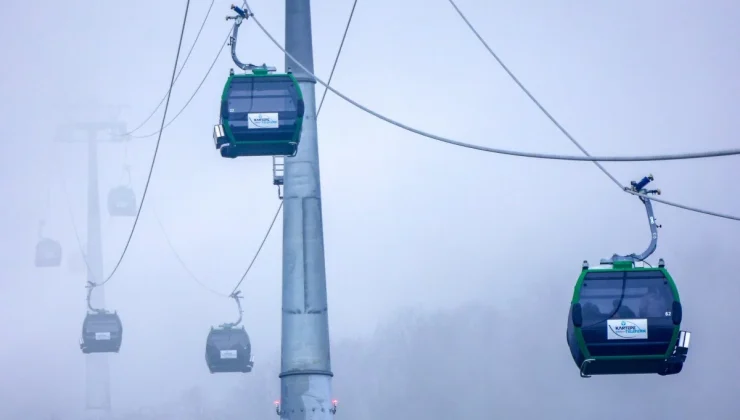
x=172 y=248
x=566 y=132
x=244 y=276
x=681 y=156
x=182 y=263
x=156 y=149
x=191 y=96
x=685 y=207
x=529 y=94
x=336 y=59
x=164 y=97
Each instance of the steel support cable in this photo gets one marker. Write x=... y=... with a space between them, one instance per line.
x=180 y=260
x=156 y=150
x=156 y=216
x=531 y=97
x=256 y=254
x=680 y=156
x=197 y=89
x=269 y=230
x=339 y=53
x=685 y=207
x=566 y=132
x=184 y=62
x=196 y=279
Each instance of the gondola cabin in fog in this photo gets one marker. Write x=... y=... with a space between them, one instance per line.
x=122 y=202
x=261 y=115
x=102 y=332
x=48 y=253
x=228 y=350
x=261 y=112
x=625 y=319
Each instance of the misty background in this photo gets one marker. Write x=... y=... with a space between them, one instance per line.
x=449 y=271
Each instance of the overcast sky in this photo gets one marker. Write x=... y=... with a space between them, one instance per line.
x=409 y=222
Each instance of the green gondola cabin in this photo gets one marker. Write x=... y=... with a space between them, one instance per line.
x=626 y=320
x=261 y=115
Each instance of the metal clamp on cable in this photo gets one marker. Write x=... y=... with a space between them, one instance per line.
x=240 y=11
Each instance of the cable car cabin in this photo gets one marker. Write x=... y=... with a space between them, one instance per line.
x=626 y=320
x=48 y=253
x=229 y=350
x=101 y=333
x=261 y=115
x=122 y=202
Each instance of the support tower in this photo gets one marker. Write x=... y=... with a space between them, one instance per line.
x=305 y=378
x=97 y=372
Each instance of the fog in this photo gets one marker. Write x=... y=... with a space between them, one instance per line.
x=449 y=271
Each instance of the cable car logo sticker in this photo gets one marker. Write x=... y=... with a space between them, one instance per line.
x=99 y=336
x=263 y=120
x=228 y=354
x=626 y=329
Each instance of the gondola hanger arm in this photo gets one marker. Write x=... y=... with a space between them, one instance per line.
x=237 y=295
x=90 y=286
x=238 y=19
x=639 y=187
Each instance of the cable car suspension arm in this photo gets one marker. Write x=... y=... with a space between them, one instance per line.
x=236 y=296
x=241 y=16
x=90 y=286
x=639 y=187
